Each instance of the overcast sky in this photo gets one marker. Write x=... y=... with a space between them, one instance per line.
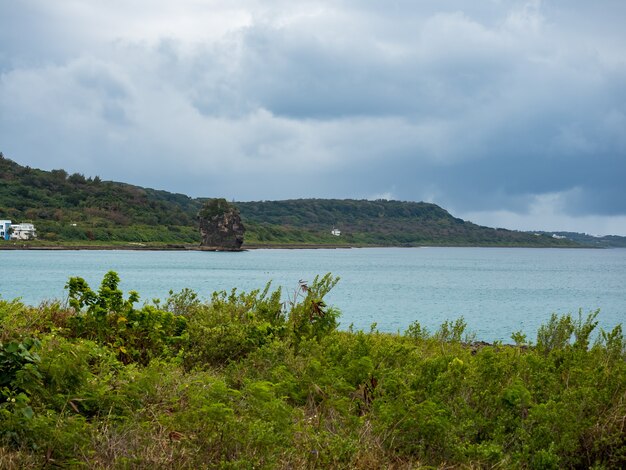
x=507 y=113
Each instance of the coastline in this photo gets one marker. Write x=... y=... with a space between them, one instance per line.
x=169 y=247
x=252 y=246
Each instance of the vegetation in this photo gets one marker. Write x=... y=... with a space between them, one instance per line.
x=215 y=207
x=73 y=209
x=245 y=380
x=381 y=223
x=607 y=241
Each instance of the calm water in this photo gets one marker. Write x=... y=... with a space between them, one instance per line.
x=497 y=290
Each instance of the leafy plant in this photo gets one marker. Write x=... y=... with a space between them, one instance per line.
x=247 y=380
x=106 y=317
x=309 y=316
x=232 y=325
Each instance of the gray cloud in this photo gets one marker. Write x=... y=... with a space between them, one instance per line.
x=511 y=109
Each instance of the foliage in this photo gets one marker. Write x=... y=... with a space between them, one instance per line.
x=309 y=316
x=232 y=325
x=15 y=358
x=253 y=380
x=107 y=318
x=216 y=207
x=606 y=241
x=379 y=222
x=72 y=208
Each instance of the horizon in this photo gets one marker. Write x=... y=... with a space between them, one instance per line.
x=506 y=113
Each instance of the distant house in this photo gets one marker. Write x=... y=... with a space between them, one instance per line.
x=5 y=225
x=336 y=232
x=23 y=232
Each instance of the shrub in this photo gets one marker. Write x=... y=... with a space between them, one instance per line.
x=138 y=335
x=247 y=381
x=232 y=325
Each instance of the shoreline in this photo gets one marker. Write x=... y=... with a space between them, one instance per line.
x=173 y=247
x=253 y=246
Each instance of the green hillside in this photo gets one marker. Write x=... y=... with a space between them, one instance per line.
x=607 y=241
x=72 y=208
x=376 y=223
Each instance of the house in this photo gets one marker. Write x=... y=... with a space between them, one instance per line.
x=336 y=232
x=5 y=225
x=23 y=232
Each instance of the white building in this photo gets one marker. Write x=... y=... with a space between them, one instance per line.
x=23 y=232
x=336 y=232
x=5 y=225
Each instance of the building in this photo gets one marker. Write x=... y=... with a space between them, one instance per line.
x=5 y=225
x=23 y=232
x=336 y=232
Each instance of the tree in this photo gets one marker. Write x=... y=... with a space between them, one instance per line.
x=214 y=207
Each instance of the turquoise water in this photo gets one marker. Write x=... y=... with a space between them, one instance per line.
x=496 y=290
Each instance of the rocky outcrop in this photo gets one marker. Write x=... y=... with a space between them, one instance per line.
x=220 y=226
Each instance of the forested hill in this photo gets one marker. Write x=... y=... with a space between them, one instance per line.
x=74 y=208
x=606 y=241
x=68 y=207
x=380 y=222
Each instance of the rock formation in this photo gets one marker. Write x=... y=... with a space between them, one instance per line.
x=220 y=226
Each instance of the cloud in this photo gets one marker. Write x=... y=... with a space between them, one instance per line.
x=484 y=108
x=545 y=213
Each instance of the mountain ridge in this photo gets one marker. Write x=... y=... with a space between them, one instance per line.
x=74 y=208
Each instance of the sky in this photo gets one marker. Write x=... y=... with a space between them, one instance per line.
x=507 y=113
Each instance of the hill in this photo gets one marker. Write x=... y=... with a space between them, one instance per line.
x=378 y=222
x=607 y=241
x=74 y=208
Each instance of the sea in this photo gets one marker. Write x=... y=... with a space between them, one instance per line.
x=497 y=291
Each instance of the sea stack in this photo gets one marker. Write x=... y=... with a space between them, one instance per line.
x=220 y=226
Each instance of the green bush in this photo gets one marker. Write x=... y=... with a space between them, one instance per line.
x=232 y=325
x=138 y=335
x=248 y=380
